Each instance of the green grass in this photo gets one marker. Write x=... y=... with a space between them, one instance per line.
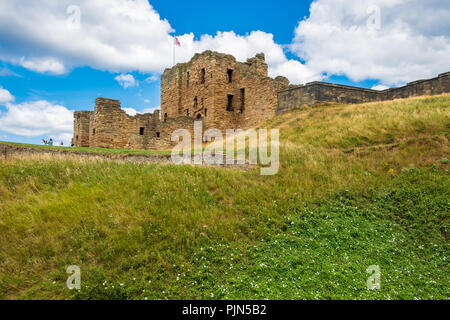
x=358 y=186
x=87 y=150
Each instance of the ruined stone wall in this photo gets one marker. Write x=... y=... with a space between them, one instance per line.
x=111 y=127
x=322 y=92
x=171 y=85
x=81 y=128
x=225 y=93
x=438 y=85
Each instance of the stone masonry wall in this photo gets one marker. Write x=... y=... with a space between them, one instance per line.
x=81 y=128
x=110 y=127
x=322 y=92
x=434 y=86
x=225 y=93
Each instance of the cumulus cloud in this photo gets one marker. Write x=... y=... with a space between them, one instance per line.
x=380 y=87
x=151 y=110
x=38 y=119
x=295 y=71
x=5 y=96
x=243 y=47
x=42 y=65
x=127 y=80
x=92 y=34
x=394 y=41
x=53 y=34
x=130 y=111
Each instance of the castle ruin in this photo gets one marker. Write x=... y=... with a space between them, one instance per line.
x=224 y=94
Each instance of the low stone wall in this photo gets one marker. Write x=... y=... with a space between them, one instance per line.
x=427 y=87
x=322 y=92
x=12 y=152
x=81 y=127
x=109 y=126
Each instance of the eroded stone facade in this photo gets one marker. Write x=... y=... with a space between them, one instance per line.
x=321 y=92
x=213 y=87
x=224 y=94
x=111 y=127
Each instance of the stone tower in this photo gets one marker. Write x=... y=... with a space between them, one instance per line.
x=225 y=93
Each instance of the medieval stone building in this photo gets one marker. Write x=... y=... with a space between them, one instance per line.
x=108 y=126
x=224 y=94
x=213 y=87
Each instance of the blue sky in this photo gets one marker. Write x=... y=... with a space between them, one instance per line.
x=341 y=41
x=78 y=89
x=207 y=17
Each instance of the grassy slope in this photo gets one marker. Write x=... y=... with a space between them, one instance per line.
x=359 y=185
x=87 y=150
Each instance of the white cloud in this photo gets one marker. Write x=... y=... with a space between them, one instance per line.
x=152 y=78
x=127 y=80
x=42 y=65
x=150 y=110
x=5 y=96
x=38 y=119
x=380 y=87
x=114 y=35
x=146 y=101
x=295 y=71
x=412 y=41
x=243 y=47
x=5 y=72
x=130 y=111
x=99 y=41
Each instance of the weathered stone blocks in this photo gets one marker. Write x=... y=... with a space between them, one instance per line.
x=322 y=92
x=224 y=94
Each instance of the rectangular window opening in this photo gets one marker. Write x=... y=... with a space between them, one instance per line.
x=230 y=75
x=141 y=131
x=230 y=103
x=242 y=100
x=187 y=81
x=158 y=135
x=203 y=76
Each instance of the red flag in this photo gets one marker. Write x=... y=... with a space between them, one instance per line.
x=177 y=42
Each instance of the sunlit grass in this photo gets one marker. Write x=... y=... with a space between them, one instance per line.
x=359 y=185
x=88 y=150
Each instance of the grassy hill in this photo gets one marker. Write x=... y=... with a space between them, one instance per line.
x=75 y=150
x=359 y=185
